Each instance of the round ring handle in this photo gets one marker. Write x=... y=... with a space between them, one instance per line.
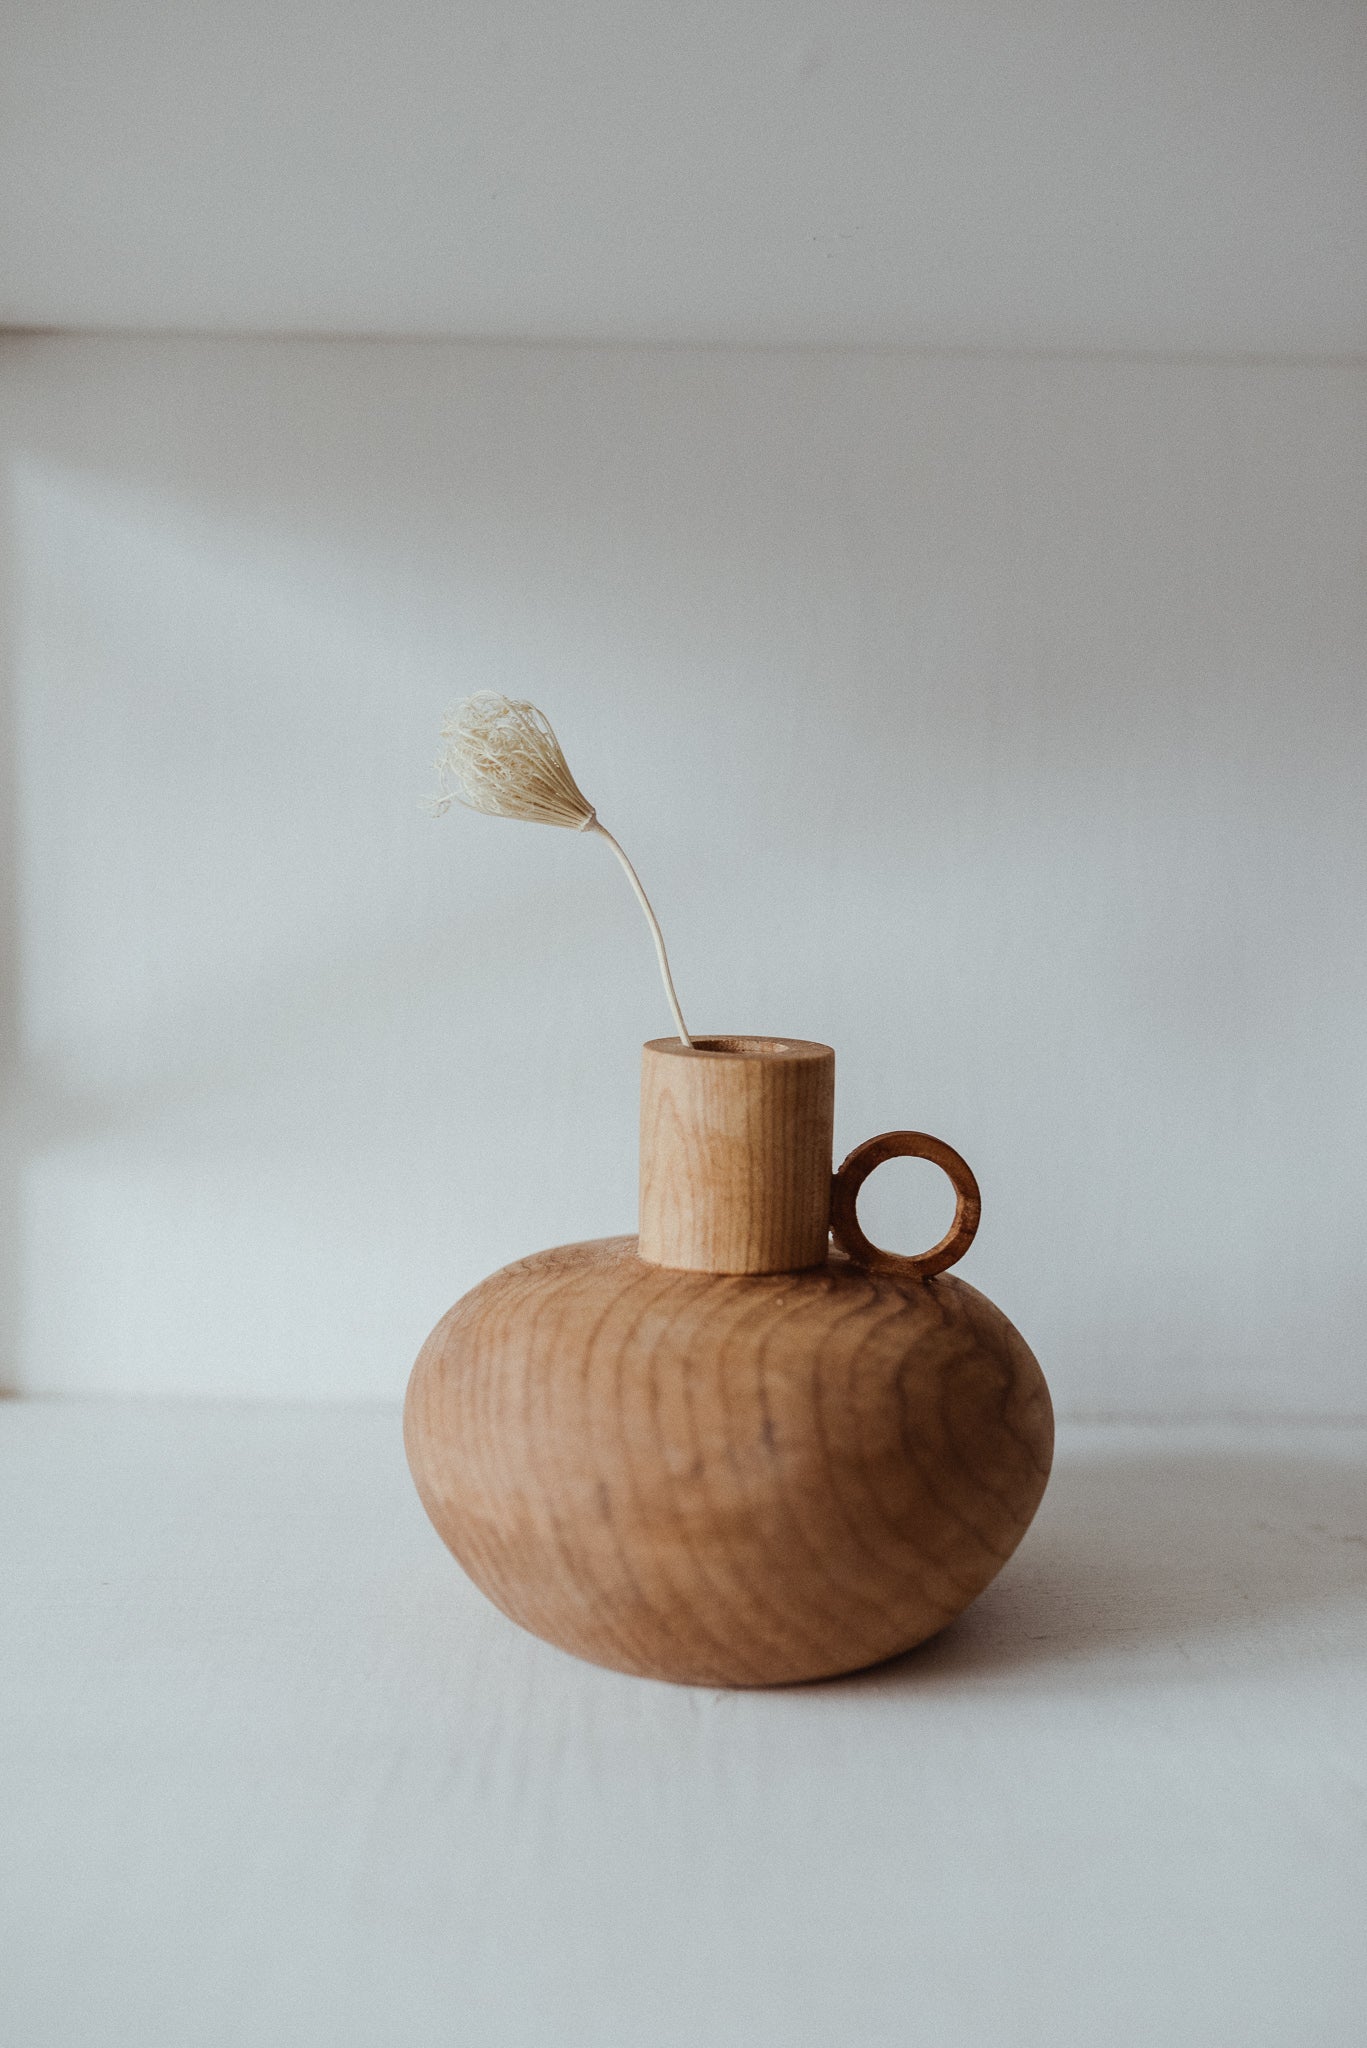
x=902 y=1145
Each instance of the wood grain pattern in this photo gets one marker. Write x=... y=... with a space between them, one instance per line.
x=726 y=1480
x=848 y=1232
x=736 y=1153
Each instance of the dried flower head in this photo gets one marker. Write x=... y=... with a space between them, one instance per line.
x=500 y=756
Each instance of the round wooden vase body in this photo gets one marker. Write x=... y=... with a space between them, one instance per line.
x=738 y=1477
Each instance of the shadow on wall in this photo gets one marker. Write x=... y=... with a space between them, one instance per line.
x=992 y=721
x=10 y=1024
x=1145 y=1559
x=243 y=977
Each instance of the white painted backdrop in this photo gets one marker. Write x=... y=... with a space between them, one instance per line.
x=998 y=720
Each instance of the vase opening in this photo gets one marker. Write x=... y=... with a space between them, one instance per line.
x=755 y=1048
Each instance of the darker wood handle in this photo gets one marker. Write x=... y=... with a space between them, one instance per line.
x=856 y=1170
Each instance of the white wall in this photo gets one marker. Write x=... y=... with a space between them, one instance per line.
x=1120 y=174
x=999 y=721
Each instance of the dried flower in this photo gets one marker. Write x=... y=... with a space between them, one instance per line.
x=500 y=756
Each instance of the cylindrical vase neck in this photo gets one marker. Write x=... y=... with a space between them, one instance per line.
x=736 y=1138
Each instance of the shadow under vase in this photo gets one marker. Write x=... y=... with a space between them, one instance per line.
x=1150 y=1554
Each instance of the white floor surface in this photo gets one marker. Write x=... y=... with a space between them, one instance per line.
x=272 y=1772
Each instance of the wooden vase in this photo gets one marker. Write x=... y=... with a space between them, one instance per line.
x=727 y=1452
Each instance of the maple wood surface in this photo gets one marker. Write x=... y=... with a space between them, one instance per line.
x=736 y=1138
x=726 y=1480
x=845 y=1225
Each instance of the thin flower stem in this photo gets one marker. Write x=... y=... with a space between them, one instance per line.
x=654 y=924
